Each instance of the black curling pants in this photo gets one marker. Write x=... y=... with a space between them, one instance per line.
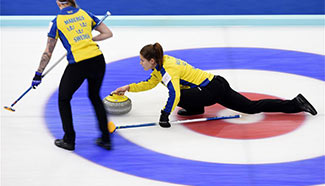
x=93 y=70
x=219 y=91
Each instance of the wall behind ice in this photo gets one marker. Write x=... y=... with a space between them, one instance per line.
x=171 y=7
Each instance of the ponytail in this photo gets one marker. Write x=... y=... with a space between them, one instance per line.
x=155 y=52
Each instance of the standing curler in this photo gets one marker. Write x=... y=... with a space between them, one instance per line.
x=73 y=26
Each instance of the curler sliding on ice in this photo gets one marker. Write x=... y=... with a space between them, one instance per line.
x=192 y=89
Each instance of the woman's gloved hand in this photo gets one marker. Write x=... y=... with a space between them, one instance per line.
x=37 y=79
x=164 y=121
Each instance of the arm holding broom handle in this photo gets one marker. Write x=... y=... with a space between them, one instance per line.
x=112 y=127
x=56 y=63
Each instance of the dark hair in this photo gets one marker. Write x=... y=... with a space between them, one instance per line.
x=71 y=2
x=154 y=51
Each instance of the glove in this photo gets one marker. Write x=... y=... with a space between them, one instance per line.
x=164 y=121
x=37 y=80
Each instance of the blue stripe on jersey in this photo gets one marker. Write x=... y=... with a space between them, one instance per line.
x=171 y=98
x=162 y=70
x=67 y=46
x=183 y=82
x=53 y=29
x=172 y=93
x=157 y=67
x=205 y=82
x=94 y=18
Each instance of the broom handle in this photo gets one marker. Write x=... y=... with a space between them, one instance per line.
x=179 y=121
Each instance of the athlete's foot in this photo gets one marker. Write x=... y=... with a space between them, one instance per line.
x=62 y=144
x=305 y=105
x=104 y=144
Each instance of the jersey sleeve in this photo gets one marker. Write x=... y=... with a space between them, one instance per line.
x=53 y=33
x=148 y=84
x=94 y=18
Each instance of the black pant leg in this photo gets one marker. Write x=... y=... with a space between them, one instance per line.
x=95 y=76
x=240 y=103
x=195 y=99
x=190 y=99
x=71 y=80
x=234 y=100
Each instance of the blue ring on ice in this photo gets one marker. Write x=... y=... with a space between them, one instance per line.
x=130 y=158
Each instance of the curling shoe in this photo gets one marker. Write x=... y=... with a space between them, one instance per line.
x=105 y=145
x=304 y=105
x=67 y=146
x=183 y=112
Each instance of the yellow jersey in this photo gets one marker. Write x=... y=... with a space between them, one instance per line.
x=175 y=74
x=73 y=26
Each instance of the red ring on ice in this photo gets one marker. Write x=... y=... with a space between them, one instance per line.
x=273 y=124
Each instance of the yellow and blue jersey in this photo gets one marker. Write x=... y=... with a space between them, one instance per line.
x=175 y=74
x=73 y=26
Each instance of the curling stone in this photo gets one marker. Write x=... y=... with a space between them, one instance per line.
x=117 y=104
